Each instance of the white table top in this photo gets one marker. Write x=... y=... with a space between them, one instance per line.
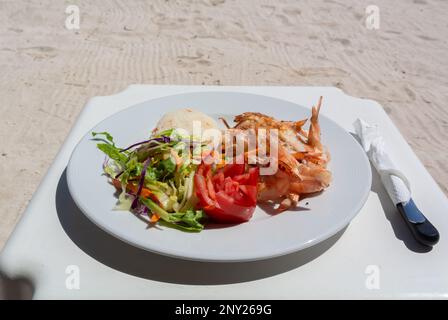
x=374 y=257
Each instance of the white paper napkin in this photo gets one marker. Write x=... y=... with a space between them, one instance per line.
x=395 y=182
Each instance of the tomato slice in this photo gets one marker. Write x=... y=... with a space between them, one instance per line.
x=254 y=175
x=211 y=189
x=228 y=195
x=218 y=180
x=250 y=192
x=242 y=178
x=230 y=211
x=235 y=169
x=249 y=178
x=230 y=186
x=201 y=191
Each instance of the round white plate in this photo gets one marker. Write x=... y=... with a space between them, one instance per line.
x=265 y=235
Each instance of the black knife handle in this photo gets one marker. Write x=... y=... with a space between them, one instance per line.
x=421 y=228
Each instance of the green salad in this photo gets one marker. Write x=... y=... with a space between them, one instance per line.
x=155 y=178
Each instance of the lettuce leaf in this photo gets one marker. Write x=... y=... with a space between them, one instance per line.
x=109 y=148
x=168 y=165
x=186 y=221
x=106 y=135
x=113 y=152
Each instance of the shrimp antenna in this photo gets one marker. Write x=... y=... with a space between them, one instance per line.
x=225 y=122
x=319 y=104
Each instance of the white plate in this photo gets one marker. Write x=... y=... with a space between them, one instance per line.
x=264 y=236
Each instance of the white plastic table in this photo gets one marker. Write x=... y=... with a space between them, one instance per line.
x=54 y=245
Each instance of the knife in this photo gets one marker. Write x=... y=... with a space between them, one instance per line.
x=397 y=185
x=422 y=229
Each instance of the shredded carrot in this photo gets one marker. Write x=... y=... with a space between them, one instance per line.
x=154 y=218
x=116 y=183
x=145 y=193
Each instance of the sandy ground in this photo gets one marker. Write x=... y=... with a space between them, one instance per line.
x=47 y=72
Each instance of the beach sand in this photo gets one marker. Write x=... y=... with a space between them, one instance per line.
x=49 y=72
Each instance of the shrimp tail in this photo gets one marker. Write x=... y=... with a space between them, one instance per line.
x=314 y=131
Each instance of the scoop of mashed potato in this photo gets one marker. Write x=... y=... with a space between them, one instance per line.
x=183 y=119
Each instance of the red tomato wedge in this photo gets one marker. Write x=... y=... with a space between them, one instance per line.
x=231 y=170
x=249 y=178
x=228 y=195
x=200 y=185
x=250 y=192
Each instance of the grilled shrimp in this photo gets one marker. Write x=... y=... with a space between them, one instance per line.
x=301 y=156
x=287 y=130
